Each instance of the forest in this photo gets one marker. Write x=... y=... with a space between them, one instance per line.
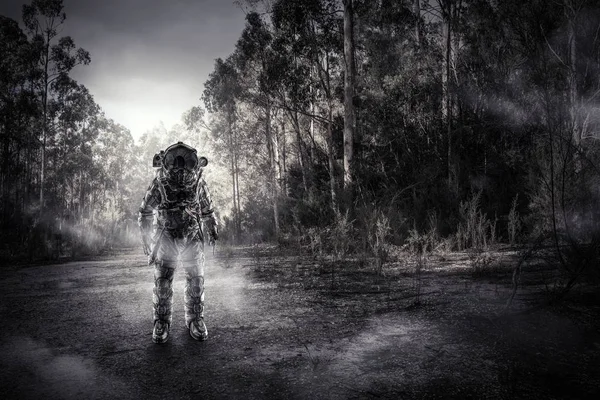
x=408 y=196
x=342 y=127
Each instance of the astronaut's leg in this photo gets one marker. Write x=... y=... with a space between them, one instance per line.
x=162 y=299
x=192 y=260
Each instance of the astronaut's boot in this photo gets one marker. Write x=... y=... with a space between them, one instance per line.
x=194 y=304
x=163 y=301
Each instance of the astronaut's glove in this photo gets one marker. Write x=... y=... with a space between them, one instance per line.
x=214 y=233
x=212 y=227
x=145 y=231
x=146 y=247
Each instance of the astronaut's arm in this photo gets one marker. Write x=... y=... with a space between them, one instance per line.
x=207 y=213
x=150 y=202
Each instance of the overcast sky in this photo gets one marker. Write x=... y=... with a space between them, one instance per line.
x=150 y=58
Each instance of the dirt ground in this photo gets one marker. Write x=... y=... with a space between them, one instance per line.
x=291 y=327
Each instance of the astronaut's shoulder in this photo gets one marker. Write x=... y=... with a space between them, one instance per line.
x=160 y=177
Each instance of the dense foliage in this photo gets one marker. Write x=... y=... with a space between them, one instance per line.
x=387 y=118
x=454 y=100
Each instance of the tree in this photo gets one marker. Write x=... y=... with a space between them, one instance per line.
x=57 y=57
x=308 y=32
x=349 y=114
x=16 y=109
x=220 y=94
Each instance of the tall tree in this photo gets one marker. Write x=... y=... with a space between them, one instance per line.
x=220 y=94
x=349 y=112
x=310 y=30
x=258 y=70
x=57 y=56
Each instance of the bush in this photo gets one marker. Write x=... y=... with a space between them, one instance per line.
x=475 y=230
x=376 y=230
x=339 y=236
x=514 y=221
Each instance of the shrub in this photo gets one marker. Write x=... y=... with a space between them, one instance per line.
x=339 y=235
x=377 y=230
x=475 y=230
x=514 y=221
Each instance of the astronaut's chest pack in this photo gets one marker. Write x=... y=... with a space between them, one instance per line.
x=178 y=195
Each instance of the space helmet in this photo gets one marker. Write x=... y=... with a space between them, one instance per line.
x=181 y=162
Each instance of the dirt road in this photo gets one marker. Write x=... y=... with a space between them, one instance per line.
x=82 y=330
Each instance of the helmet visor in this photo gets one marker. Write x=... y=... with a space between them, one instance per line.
x=180 y=157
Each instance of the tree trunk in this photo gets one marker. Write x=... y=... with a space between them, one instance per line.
x=233 y=180
x=455 y=109
x=349 y=112
x=446 y=99
x=576 y=132
x=312 y=120
x=45 y=115
x=273 y=165
x=81 y=198
x=283 y=170
x=277 y=183
x=329 y=139
x=5 y=174
x=237 y=193
x=300 y=150
x=417 y=13
x=331 y=160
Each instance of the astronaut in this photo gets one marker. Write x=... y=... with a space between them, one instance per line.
x=174 y=212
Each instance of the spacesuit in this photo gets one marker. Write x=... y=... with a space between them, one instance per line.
x=175 y=209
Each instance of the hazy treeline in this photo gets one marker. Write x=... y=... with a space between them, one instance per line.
x=64 y=164
x=71 y=179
